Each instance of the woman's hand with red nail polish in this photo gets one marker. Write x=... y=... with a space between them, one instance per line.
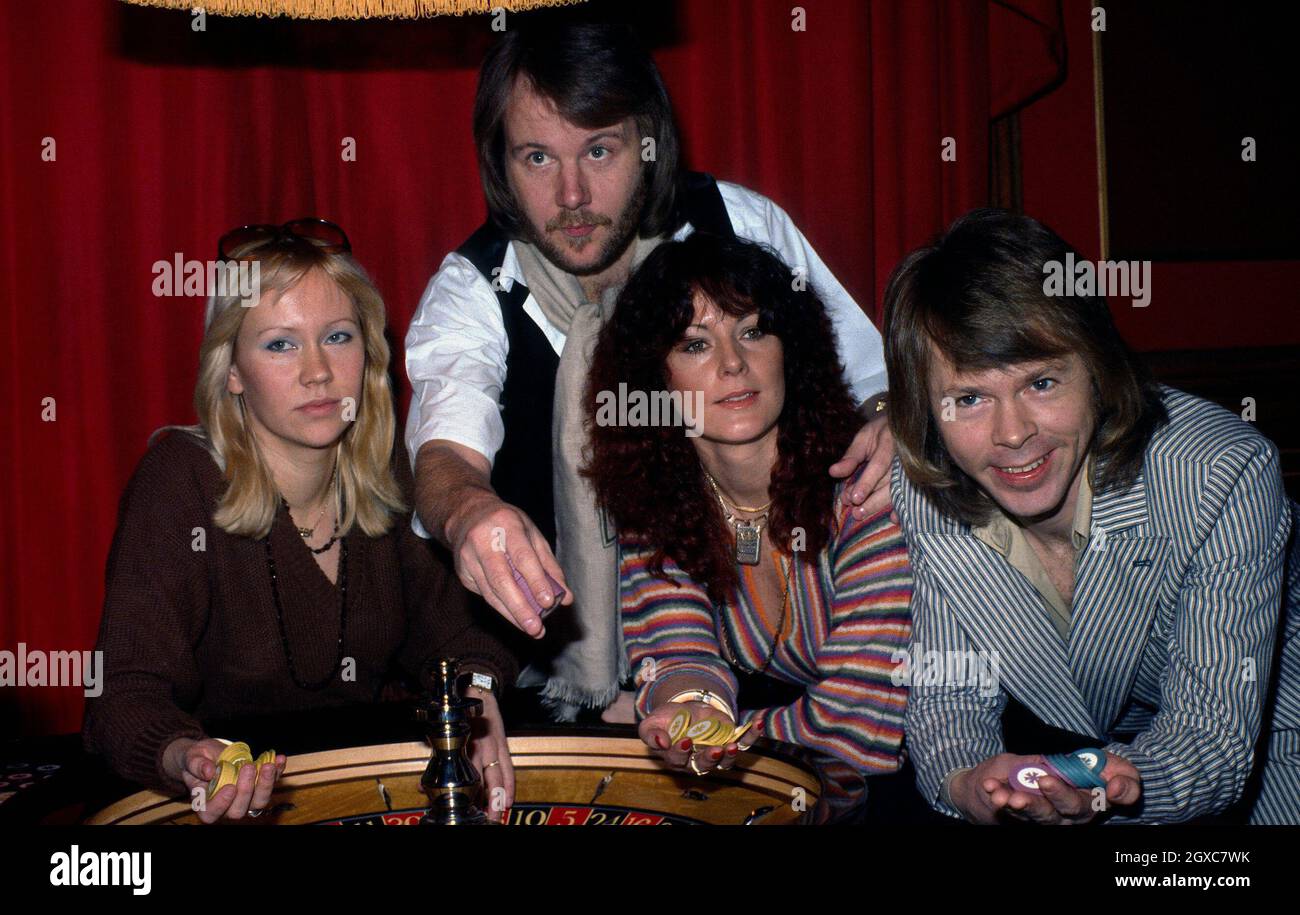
x=653 y=729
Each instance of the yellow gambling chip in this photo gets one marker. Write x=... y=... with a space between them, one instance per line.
x=266 y=759
x=679 y=724
x=700 y=730
x=736 y=734
x=732 y=735
x=715 y=737
x=227 y=774
x=727 y=734
x=234 y=752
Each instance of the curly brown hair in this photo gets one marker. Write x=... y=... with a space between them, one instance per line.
x=649 y=479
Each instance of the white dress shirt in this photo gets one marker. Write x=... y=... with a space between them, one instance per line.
x=456 y=345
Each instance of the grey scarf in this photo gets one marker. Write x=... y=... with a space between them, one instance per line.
x=584 y=660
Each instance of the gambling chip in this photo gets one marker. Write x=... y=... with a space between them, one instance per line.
x=701 y=731
x=1074 y=772
x=235 y=752
x=233 y=758
x=1093 y=759
x=227 y=774
x=726 y=733
x=710 y=732
x=1025 y=778
x=1081 y=769
x=528 y=592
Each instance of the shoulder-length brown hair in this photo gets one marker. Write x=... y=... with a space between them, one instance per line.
x=596 y=74
x=649 y=478
x=369 y=495
x=977 y=294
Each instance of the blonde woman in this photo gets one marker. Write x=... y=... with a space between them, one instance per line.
x=264 y=559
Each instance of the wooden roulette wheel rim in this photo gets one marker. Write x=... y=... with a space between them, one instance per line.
x=606 y=776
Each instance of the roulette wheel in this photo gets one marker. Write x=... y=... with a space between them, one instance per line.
x=364 y=764
x=575 y=777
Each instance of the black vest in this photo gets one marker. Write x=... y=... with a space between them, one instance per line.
x=521 y=474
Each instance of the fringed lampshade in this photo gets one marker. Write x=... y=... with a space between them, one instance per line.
x=351 y=9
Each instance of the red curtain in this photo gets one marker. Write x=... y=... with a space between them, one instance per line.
x=162 y=137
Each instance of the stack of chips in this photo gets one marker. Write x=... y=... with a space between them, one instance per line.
x=232 y=759
x=711 y=732
x=528 y=592
x=1081 y=769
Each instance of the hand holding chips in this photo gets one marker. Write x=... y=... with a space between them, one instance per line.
x=694 y=736
x=1062 y=788
x=232 y=759
x=206 y=767
x=707 y=732
x=1081 y=769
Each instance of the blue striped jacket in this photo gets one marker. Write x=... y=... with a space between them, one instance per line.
x=1174 y=624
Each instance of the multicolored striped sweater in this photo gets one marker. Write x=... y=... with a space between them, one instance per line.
x=848 y=616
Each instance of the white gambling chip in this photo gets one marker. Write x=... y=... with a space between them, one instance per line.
x=1028 y=776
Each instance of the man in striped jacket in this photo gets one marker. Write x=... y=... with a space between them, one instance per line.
x=1110 y=549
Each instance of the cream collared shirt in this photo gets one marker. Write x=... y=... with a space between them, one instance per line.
x=1008 y=538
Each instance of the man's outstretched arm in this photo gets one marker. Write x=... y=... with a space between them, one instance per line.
x=458 y=506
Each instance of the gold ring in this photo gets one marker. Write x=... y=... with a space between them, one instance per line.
x=691 y=762
x=495 y=762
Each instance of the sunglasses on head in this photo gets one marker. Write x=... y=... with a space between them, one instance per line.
x=320 y=232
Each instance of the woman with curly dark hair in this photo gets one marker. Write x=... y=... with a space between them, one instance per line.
x=740 y=576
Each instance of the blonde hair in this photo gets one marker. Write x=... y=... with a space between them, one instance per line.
x=368 y=493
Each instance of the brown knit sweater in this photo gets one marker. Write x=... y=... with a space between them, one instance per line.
x=190 y=635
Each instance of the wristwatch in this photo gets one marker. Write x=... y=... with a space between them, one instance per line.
x=485 y=682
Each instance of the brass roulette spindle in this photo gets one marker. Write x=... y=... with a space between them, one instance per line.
x=450 y=780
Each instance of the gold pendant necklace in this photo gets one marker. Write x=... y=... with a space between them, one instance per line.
x=749 y=532
x=306 y=532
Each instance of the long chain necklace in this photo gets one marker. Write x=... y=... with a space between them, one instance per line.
x=343 y=612
x=748 y=531
x=730 y=649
